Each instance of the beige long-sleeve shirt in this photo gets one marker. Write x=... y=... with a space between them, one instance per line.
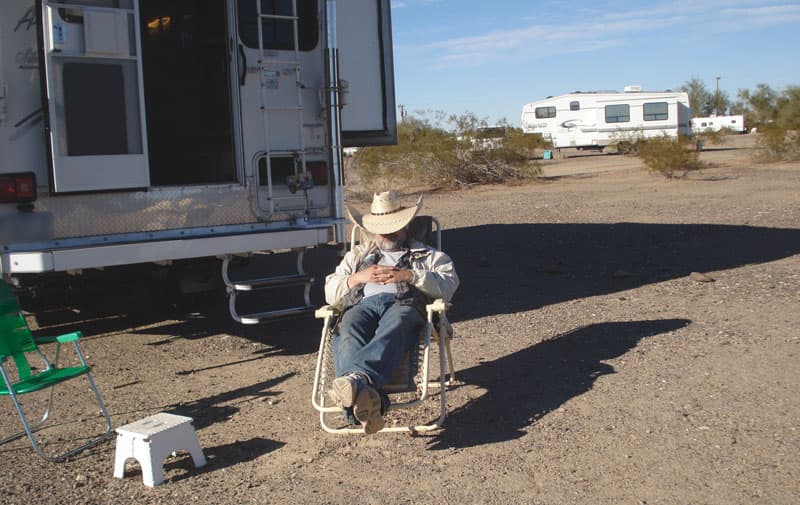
x=434 y=272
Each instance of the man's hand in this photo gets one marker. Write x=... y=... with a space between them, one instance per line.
x=380 y=274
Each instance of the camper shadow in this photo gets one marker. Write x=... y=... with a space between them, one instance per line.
x=135 y=302
x=509 y=268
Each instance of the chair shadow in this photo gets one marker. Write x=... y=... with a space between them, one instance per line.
x=209 y=410
x=523 y=387
x=510 y=268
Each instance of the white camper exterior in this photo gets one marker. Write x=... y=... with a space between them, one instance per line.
x=136 y=131
x=593 y=120
x=716 y=123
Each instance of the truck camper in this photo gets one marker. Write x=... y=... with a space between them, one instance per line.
x=157 y=131
x=596 y=119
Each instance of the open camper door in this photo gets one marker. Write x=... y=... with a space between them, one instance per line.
x=364 y=33
x=94 y=112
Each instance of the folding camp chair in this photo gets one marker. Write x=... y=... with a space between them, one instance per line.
x=411 y=381
x=16 y=342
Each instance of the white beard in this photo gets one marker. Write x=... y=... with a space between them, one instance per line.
x=387 y=244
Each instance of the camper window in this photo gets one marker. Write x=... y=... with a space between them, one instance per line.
x=575 y=105
x=279 y=33
x=656 y=111
x=545 y=112
x=618 y=113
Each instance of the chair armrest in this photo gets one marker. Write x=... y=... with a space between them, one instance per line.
x=69 y=337
x=438 y=305
x=325 y=312
x=62 y=339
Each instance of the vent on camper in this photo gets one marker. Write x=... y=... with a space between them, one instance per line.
x=633 y=88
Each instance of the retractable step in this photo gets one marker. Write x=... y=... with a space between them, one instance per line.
x=274 y=314
x=235 y=288
x=272 y=282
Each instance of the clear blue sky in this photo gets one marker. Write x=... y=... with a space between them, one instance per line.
x=490 y=58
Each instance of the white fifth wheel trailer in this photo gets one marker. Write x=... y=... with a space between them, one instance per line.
x=595 y=119
x=158 y=131
x=716 y=123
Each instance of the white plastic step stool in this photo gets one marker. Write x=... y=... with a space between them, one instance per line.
x=150 y=440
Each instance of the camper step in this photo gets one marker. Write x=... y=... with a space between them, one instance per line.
x=272 y=282
x=278 y=109
x=274 y=314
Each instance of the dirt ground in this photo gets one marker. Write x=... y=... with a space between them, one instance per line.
x=592 y=366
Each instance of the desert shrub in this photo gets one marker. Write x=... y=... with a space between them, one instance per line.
x=668 y=156
x=626 y=142
x=775 y=143
x=713 y=137
x=428 y=154
x=777 y=118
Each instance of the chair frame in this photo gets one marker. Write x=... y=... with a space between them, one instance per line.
x=14 y=390
x=441 y=334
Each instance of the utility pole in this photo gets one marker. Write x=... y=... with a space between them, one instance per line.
x=716 y=99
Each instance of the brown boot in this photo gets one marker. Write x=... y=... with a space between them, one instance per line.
x=367 y=409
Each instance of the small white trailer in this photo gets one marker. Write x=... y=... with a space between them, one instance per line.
x=596 y=119
x=733 y=123
x=158 y=131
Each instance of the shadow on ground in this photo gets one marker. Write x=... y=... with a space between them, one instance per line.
x=524 y=386
x=512 y=268
x=504 y=268
x=209 y=410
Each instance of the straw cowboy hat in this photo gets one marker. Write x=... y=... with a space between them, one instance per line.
x=386 y=215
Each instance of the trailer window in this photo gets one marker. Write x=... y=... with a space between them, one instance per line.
x=279 y=33
x=575 y=105
x=618 y=113
x=656 y=111
x=545 y=112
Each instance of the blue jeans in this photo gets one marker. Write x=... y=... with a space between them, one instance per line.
x=373 y=336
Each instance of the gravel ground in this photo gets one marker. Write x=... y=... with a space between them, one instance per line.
x=621 y=338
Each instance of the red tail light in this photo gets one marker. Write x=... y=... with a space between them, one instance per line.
x=17 y=188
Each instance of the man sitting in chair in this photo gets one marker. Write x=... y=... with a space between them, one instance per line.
x=381 y=287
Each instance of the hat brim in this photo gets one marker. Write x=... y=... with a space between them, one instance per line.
x=386 y=223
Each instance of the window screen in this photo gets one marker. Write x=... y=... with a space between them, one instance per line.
x=94 y=109
x=618 y=113
x=656 y=111
x=545 y=112
x=279 y=33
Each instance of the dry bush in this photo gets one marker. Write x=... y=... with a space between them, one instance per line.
x=626 y=142
x=668 y=156
x=432 y=156
x=775 y=143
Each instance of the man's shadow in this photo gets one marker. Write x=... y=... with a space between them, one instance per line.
x=523 y=387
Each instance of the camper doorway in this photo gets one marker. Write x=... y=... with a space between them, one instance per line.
x=187 y=92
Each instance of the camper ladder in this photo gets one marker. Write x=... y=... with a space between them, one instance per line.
x=235 y=288
x=275 y=67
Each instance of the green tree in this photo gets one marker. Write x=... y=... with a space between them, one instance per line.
x=704 y=102
x=720 y=103
x=762 y=104
x=788 y=104
x=699 y=96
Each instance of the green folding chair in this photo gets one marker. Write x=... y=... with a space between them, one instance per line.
x=16 y=342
